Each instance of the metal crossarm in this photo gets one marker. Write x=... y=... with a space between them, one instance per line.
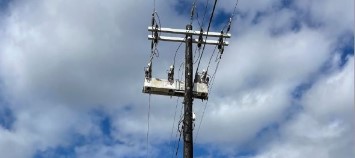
x=180 y=39
x=193 y=32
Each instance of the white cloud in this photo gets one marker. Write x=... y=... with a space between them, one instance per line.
x=60 y=59
x=325 y=127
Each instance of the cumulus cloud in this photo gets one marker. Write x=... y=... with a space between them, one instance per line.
x=325 y=127
x=62 y=60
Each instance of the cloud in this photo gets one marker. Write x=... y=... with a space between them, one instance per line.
x=325 y=126
x=62 y=60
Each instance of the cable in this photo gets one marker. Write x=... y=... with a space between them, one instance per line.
x=235 y=8
x=209 y=62
x=204 y=14
x=154 y=6
x=154 y=49
x=199 y=52
x=214 y=74
x=177 y=149
x=232 y=17
x=180 y=70
x=172 y=129
x=199 y=126
x=208 y=29
x=148 y=128
x=178 y=127
x=177 y=52
x=193 y=11
x=204 y=110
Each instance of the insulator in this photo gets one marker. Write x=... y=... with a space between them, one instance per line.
x=148 y=70
x=156 y=36
x=200 y=39
x=229 y=28
x=153 y=20
x=171 y=73
x=222 y=50
x=229 y=24
x=220 y=41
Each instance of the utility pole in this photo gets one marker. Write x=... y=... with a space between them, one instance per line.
x=189 y=89
x=187 y=126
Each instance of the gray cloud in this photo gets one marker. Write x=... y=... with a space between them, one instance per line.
x=61 y=59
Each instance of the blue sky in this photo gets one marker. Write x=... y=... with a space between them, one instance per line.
x=71 y=76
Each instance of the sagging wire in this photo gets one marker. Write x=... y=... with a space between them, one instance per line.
x=172 y=129
x=178 y=130
x=148 y=127
x=177 y=52
x=178 y=143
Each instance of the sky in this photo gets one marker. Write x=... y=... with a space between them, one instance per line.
x=71 y=78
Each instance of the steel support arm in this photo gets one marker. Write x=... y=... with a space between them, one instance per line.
x=180 y=39
x=185 y=32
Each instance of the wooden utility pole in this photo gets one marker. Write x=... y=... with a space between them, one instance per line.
x=189 y=89
x=187 y=125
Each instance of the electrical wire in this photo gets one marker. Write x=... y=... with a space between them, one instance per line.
x=232 y=16
x=178 y=130
x=154 y=6
x=177 y=52
x=180 y=70
x=193 y=11
x=204 y=110
x=178 y=145
x=209 y=62
x=148 y=127
x=155 y=51
x=208 y=29
x=172 y=128
x=204 y=14
x=235 y=8
x=199 y=52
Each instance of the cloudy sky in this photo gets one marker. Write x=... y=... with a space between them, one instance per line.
x=71 y=75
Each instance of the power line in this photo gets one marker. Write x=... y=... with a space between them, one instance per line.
x=178 y=143
x=208 y=29
x=177 y=52
x=205 y=13
x=154 y=6
x=205 y=107
x=209 y=62
x=178 y=131
x=148 y=127
x=232 y=17
x=193 y=11
x=172 y=129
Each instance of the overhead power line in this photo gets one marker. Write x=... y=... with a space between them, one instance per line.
x=208 y=29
